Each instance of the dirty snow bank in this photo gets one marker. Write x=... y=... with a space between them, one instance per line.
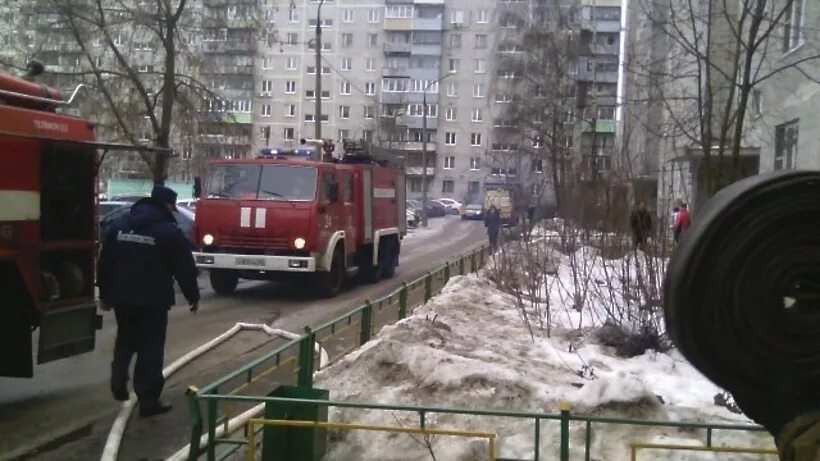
x=469 y=348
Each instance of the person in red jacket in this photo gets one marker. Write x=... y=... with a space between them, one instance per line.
x=682 y=221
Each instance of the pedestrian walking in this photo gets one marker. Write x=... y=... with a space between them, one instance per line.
x=142 y=254
x=682 y=221
x=492 y=221
x=641 y=223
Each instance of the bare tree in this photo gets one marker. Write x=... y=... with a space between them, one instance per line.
x=137 y=58
x=715 y=54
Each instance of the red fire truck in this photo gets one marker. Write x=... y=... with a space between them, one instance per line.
x=48 y=227
x=298 y=214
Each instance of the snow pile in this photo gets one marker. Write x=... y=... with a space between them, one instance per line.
x=469 y=348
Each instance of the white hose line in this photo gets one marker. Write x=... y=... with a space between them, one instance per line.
x=112 y=444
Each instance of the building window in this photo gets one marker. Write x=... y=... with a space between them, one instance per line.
x=455 y=41
x=290 y=87
x=344 y=112
x=266 y=110
x=398 y=11
x=292 y=38
x=538 y=142
x=267 y=87
x=538 y=165
x=480 y=66
x=370 y=88
x=293 y=15
x=478 y=90
x=292 y=63
x=478 y=115
x=447 y=186
x=475 y=139
x=785 y=145
x=344 y=87
x=369 y=112
x=606 y=113
x=373 y=15
x=342 y=135
x=482 y=17
x=450 y=138
x=288 y=134
x=449 y=162
x=475 y=163
x=371 y=65
x=267 y=62
x=347 y=40
x=372 y=40
x=450 y=114
x=452 y=89
x=325 y=23
x=457 y=17
x=481 y=41
x=348 y=16
x=473 y=188
x=290 y=110
x=312 y=118
x=347 y=63
x=793 y=33
x=415 y=185
x=453 y=65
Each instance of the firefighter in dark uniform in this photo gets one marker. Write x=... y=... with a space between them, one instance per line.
x=142 y=254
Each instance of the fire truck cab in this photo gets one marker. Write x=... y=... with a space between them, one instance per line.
x=289 y=215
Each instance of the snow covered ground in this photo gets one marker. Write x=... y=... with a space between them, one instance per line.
x=469 y=348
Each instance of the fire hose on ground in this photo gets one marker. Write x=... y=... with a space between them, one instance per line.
x=112 y=444
x=742 y=302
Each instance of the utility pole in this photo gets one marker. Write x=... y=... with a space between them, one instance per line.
x=318 y=90
x=424 y=148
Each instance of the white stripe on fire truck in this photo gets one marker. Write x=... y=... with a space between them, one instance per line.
x=19 y=205
x=245 y=217
x=379 y=192
x=260 y=218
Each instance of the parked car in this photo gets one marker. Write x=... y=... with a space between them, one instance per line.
x=189 y=204
x=412 y=218
x=115 y=209
x=452 y=206
x=436 y=209
x=473 y=212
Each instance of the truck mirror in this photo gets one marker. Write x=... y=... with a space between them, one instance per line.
x=197 y=187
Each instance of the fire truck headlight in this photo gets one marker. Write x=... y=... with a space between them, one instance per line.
x=208 y=239
x=299 y=243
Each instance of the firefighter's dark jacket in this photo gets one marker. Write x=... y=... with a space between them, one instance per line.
x=141 y=255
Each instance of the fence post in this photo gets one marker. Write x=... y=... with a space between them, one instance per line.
x=564 y=406
x=481 y=256
x=461 y=265
x=446 y=272
x=196 y=423
x=428 y=287
x=366 y=323
x=212 y=428
x=306 y=351
x=403 y=301
x=472 y=261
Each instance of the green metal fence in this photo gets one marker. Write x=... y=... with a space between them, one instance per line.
x=294 y=362
x=215 y=407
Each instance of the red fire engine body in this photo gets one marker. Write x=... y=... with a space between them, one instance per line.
x=282 y=217
x=48 y=165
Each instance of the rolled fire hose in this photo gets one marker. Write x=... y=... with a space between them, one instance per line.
x=742 y=295
x=112 y=444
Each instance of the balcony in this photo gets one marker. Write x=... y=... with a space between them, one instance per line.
x=229 y=46
x=601 y=126
x=430 y=24
x=601 y=25
x=394 y=72
x=417 y=171
x=418 y=122
x=228 y=70
x=222 y=139
x=398 y=24
x=604 y=50
x=426 y=49
x=397 y=48
x=412 y=146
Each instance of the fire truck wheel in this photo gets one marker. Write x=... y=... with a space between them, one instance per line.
x=224 y=281
x=389 y=259
x=330 y=283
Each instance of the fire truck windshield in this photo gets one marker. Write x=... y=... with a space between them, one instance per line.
x=261 y=182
